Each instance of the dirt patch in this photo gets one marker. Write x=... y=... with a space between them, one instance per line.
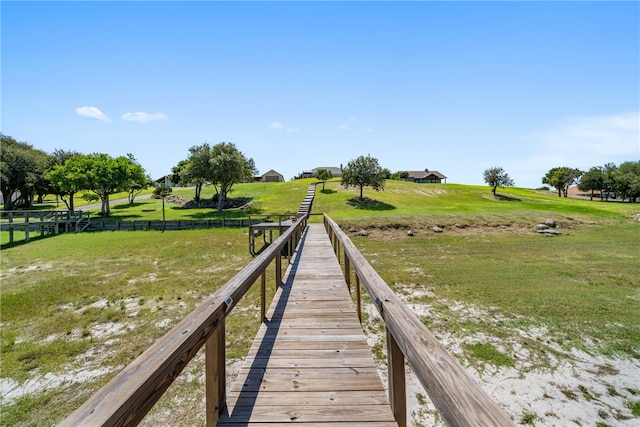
x=573 y=388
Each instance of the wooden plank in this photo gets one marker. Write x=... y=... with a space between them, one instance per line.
x=304 y=413
x=309 y=398
x=310 y=362
x=457 y=397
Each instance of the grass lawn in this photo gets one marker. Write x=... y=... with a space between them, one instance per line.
x=85 y=305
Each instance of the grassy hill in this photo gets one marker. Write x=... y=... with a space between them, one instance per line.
x=84 y=305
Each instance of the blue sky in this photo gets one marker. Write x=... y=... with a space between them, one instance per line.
x=456 y=87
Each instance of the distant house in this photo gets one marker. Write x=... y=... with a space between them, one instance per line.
x=270 y=176
x=336 y=172
x=164 y=180
x=425 y=176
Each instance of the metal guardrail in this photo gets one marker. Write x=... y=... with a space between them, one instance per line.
x=456 y=396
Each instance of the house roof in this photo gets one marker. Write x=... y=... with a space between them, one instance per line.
x=425 y=174
x=331 y=169
x=272 y=172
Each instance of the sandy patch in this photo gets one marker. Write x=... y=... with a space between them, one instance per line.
x=573 y=388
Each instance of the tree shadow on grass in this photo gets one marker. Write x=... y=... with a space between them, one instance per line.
x=328 y=191
x=230 y=214
x=370 y=204
x=127 y=206
x=507 y=198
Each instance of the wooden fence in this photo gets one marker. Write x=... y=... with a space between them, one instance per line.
x=182 y=224
x=45 y=221
x=127 y=398
x=458 y=399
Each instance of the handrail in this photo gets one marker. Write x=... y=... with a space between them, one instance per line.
x=456 y=396
x=127 y=398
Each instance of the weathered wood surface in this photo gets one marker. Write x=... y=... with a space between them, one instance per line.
x=457 y=397
x=310 y=363
x=127 y=398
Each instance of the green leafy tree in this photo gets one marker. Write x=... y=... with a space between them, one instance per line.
x=228 y=166
x=137 y=179
x=400 y=175
x=177 y=172
x=497 y=177
x=562 y=178
x=22 y=172
x=610 y=171
x=363 y=172
x=627 y=181
x=68 y=176
x=107 y=175
x=197 y=170
x=323 y=175
x=592 y=180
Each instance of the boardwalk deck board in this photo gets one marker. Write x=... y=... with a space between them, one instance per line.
x=310 y=363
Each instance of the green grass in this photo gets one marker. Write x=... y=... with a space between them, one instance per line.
x=59 y=294
x=266 y=198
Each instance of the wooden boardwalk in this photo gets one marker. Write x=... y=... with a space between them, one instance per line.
x=310 y=363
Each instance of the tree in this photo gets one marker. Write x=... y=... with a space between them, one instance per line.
x=68 y=176
x=400 y=175
x=138 y=180
x=497 y=177
x=592 y=180
x=627 y=181
x=610 y=170
x=562 y=178
x=323 y=175
x=22 y=172
x=177 y=172
x=107 y=175
x=363 y=172
x=197 y=169
x=228 y=166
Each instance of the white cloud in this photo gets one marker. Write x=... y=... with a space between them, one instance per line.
x=600 y=135
x=581 y=142
x=141 y=117
x=282 y=127
x=344 y=127
x=92 y=113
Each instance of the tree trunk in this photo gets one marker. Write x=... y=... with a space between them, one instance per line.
x=220 y=202
x=361 y=192
x=105 y=205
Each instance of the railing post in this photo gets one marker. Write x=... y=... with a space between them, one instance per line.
x=278 y=269
x=397 y=387
x=215 y=374
x=41 y=224
x=263 y=283
x=10 y=227
x=347 y=271
x=26 y=226
x=358 y=300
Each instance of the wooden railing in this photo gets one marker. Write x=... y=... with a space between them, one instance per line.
x=458 y=399
x=128 y=397
x=42 y=221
